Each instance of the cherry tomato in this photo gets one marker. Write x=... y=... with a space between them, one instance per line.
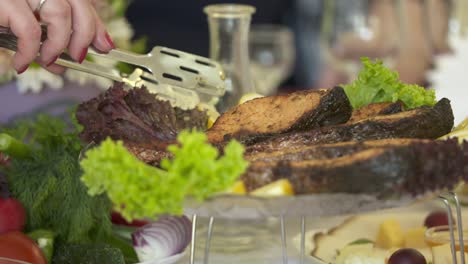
x=12 y=215
x=18 y=246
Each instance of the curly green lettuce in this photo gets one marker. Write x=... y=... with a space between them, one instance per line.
x=377 y=83
x=142 y=191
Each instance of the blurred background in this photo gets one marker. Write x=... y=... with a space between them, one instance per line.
x=327 y=37
x=299 y=44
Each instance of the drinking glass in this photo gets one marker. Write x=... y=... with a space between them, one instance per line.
x=272 y=56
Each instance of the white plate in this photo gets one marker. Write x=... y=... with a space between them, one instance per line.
x=170 y=260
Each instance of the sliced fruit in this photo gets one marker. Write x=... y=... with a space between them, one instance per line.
x=249 y=96
x=390 y=234
x=460 y=134
x=462 y=125
x=278 y=188
x=414 y=238
x=18 y=246
x=210 y=122
x=211 y=111
x=238 y=188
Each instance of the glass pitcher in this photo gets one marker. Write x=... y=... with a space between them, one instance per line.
x=229 y=26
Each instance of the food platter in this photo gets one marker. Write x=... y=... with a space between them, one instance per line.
x=366 y=226
x=242 y=224
x=246 y=175
x=318 y=205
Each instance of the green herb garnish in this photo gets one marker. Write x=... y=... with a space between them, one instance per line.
x=377 y=83
x=139 y=190
x=44 y=176
x=13 y=147
x=361 y=241
x=45 y=240
x=88 y=253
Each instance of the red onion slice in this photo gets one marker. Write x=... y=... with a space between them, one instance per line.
x=166 y=237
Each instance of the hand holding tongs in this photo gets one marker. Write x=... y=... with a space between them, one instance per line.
x=180 y=77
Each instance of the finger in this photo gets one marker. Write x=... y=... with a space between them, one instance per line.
x=84 y=28
x=54 y=68
x=102 y=40
x=57 y=15
x=18 y=16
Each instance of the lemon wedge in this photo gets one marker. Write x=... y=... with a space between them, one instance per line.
x=210 y=122
x=211 y=111
x=249 y=96
x=237 y=188
x=278 y=188
x=462 y=125
x=460 y=132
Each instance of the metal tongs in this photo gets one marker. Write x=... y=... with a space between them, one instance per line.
x=182 y=78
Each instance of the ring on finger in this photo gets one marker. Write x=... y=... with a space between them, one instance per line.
x=39 y=6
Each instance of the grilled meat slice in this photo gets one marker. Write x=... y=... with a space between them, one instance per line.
x=135 y=116
x=383 y=167
x=424 y=122
x=375 y=109
x=148 y=154
x=324 y=151
x=272 y=115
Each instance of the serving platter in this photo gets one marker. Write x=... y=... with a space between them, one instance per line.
x=366 y=226
x=278 y=220
x=313 y=205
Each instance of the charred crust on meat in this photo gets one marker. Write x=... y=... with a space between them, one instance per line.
x=375 y=109
x=303 y=137
x=261 y=118
x=424 y=122
x=382 y=167
x=393 y=108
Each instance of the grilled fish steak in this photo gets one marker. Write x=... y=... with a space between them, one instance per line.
x=424 y=122
x=272 y=115
x=302 y=137
x=147 y=153
x=382 y=167
x=375 y=109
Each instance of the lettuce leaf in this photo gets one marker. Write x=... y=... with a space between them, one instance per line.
x=377 y=83
x=139 y=190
